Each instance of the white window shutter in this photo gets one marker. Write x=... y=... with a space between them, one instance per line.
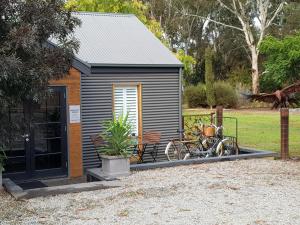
x=132 y=108
x=126 y=102
x=118 y=101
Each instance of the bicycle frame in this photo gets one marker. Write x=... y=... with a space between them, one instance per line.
x=202 y=147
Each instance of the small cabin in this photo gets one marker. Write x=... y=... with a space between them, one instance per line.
x=120 y=65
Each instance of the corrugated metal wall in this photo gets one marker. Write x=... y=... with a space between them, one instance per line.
x=160 y=96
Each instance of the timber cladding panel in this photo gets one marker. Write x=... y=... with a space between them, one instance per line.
x=72 y=84
x=160 y=105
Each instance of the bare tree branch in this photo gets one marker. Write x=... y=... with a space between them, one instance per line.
x=278 y=10
x=214 y=21
x=226 y=7
x=265 y=23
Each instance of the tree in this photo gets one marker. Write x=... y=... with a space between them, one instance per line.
x=288 y=21
x=193 y=34
x=254 y=18
x=282 y=65
x=136 y=7
x=189 y=66
x=27 y=62
x=209 y=77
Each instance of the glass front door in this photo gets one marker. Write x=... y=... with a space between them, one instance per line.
x=42 y=150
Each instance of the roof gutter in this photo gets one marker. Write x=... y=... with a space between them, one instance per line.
x=136 y=65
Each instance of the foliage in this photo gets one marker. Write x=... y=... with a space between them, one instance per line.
x=136 y=7
x=209 y=77
x=195 y=96
x=189 y=63
x=283 y=60
x=225 y=95
x=288 y=21
x=240 y=76
x=27 y=62
x=188 y=25
x=116 y=135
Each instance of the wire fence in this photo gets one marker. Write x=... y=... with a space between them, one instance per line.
x=294 y=133
x=192 y=124
x=258 y=129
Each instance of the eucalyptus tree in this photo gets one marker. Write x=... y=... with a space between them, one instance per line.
x=182 y=32
x=288 y=21
x=255 y=17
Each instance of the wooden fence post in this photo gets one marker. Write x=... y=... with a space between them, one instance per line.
x=284 y=127
x=212 y=117
x=219 y=114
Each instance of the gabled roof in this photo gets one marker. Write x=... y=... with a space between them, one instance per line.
x=119 y=40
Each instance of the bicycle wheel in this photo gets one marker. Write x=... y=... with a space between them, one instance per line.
x=229 y=149
x=175 y=151
x=224 y=148
x=220 y=149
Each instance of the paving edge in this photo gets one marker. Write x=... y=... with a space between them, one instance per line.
x=251 y=154
x=18 y=193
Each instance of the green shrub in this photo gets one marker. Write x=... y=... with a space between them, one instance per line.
x=240 y=76
x=195 y=96
x=225 y=95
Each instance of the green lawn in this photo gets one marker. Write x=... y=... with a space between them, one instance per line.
x=259 y=129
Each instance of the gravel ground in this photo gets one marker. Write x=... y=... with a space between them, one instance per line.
x=242 y=192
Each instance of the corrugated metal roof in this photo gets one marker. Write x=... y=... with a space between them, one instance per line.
x=119 y=39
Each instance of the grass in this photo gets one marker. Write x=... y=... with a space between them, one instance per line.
x=259 y=129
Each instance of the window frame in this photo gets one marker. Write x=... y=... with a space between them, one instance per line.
x=139 y=103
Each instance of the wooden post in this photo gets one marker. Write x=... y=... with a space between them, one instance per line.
x=212 y=117
x=219 y=112
x=284 y=127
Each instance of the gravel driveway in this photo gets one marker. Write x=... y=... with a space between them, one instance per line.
x=257 y=191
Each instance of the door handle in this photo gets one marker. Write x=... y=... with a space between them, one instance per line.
x=25 y=136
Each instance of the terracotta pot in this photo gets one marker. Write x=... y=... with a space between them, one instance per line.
x=209 y=131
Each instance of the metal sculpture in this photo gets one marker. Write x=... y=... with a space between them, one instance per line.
x=281 y=98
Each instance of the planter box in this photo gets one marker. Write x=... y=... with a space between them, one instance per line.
x=115 y=166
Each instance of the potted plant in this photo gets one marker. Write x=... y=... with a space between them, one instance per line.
x=117 y=147
x=2 y=160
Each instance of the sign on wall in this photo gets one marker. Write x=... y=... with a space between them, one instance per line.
x=74 y=112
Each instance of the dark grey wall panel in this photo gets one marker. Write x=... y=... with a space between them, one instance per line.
x=160 y=96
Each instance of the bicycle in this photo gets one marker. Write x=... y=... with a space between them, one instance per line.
x=214 y=145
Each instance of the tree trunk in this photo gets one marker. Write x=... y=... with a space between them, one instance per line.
x=255 y=72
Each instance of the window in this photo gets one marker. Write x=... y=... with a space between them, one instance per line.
x=126 y=101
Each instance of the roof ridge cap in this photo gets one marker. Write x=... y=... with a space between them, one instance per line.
x=104 y=14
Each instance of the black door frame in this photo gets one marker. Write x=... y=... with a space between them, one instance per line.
x=31 y=173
